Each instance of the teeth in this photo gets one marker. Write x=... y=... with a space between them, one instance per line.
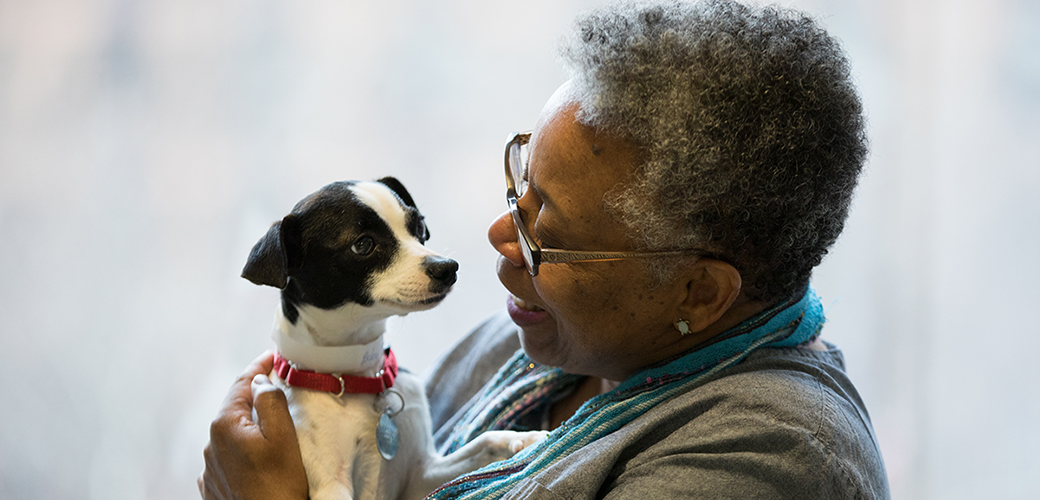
x=524 y=305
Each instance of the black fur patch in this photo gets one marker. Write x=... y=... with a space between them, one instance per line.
x=319 y=240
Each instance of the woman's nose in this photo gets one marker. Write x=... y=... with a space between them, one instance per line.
x=502 y=235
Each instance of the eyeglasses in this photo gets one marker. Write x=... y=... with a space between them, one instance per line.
x=516 y=158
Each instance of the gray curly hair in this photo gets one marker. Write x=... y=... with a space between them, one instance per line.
x=749 y=124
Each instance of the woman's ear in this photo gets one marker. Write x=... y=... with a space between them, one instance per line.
x=712 y=287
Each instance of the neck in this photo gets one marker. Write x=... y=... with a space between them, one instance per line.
x=348 y=339
x=349 y=324
x=586 y=390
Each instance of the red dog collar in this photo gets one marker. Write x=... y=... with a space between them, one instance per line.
x=338 y=384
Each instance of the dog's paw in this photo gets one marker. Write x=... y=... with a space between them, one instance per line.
x=525 y=439
x=500 y=445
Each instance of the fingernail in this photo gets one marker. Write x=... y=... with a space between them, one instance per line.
x=261 y=379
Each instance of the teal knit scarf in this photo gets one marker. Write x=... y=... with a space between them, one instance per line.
x=521 y=385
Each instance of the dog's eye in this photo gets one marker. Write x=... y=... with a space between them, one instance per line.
x=363 y=246
x=421 y=230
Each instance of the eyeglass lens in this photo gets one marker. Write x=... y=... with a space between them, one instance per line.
x=518 y=167
x=518 y=155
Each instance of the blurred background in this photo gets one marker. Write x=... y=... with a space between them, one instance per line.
x=145 y=146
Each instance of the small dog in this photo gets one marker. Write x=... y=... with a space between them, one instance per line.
x=346 y=258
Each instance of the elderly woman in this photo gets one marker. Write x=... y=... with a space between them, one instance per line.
x=664 y=219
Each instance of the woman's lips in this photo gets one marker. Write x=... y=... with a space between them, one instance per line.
x=524 y=314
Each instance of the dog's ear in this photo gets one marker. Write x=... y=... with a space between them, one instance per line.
x=396 y=186
x=275 y=255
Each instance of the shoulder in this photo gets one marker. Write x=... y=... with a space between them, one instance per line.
x=785 y=423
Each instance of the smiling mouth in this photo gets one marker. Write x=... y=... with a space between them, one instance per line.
x=524 y=305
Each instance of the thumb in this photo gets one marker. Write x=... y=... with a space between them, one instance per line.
x=272 y=411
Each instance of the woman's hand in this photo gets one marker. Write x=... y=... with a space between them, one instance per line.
x=253 y=460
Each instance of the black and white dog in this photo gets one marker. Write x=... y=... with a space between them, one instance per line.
x=346 y=258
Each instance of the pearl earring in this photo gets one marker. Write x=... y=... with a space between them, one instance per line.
x=683 y=326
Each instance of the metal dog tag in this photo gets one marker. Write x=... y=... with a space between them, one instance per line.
x=386 y=435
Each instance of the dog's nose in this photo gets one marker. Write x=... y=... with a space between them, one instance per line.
x=441 y=270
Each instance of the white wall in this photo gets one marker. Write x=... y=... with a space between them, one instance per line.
x=144 y=147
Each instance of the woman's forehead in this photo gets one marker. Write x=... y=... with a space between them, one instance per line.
x=563 y=147
x=572 y=167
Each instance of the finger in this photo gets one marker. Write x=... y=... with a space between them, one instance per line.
x=272 y=412
x=259 y=379
x=239 y=400
x=263 y=363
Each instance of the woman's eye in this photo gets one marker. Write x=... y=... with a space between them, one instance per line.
x=363 y=246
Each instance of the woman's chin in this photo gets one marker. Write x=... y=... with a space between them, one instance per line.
x=538 y=333
x=539 y=348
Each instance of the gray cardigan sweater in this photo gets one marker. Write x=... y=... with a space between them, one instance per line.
x=783 y=423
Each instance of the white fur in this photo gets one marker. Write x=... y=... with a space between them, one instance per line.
x=337 y=435
x=403 y=282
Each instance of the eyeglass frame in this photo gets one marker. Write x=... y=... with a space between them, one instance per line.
x=533 y=254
